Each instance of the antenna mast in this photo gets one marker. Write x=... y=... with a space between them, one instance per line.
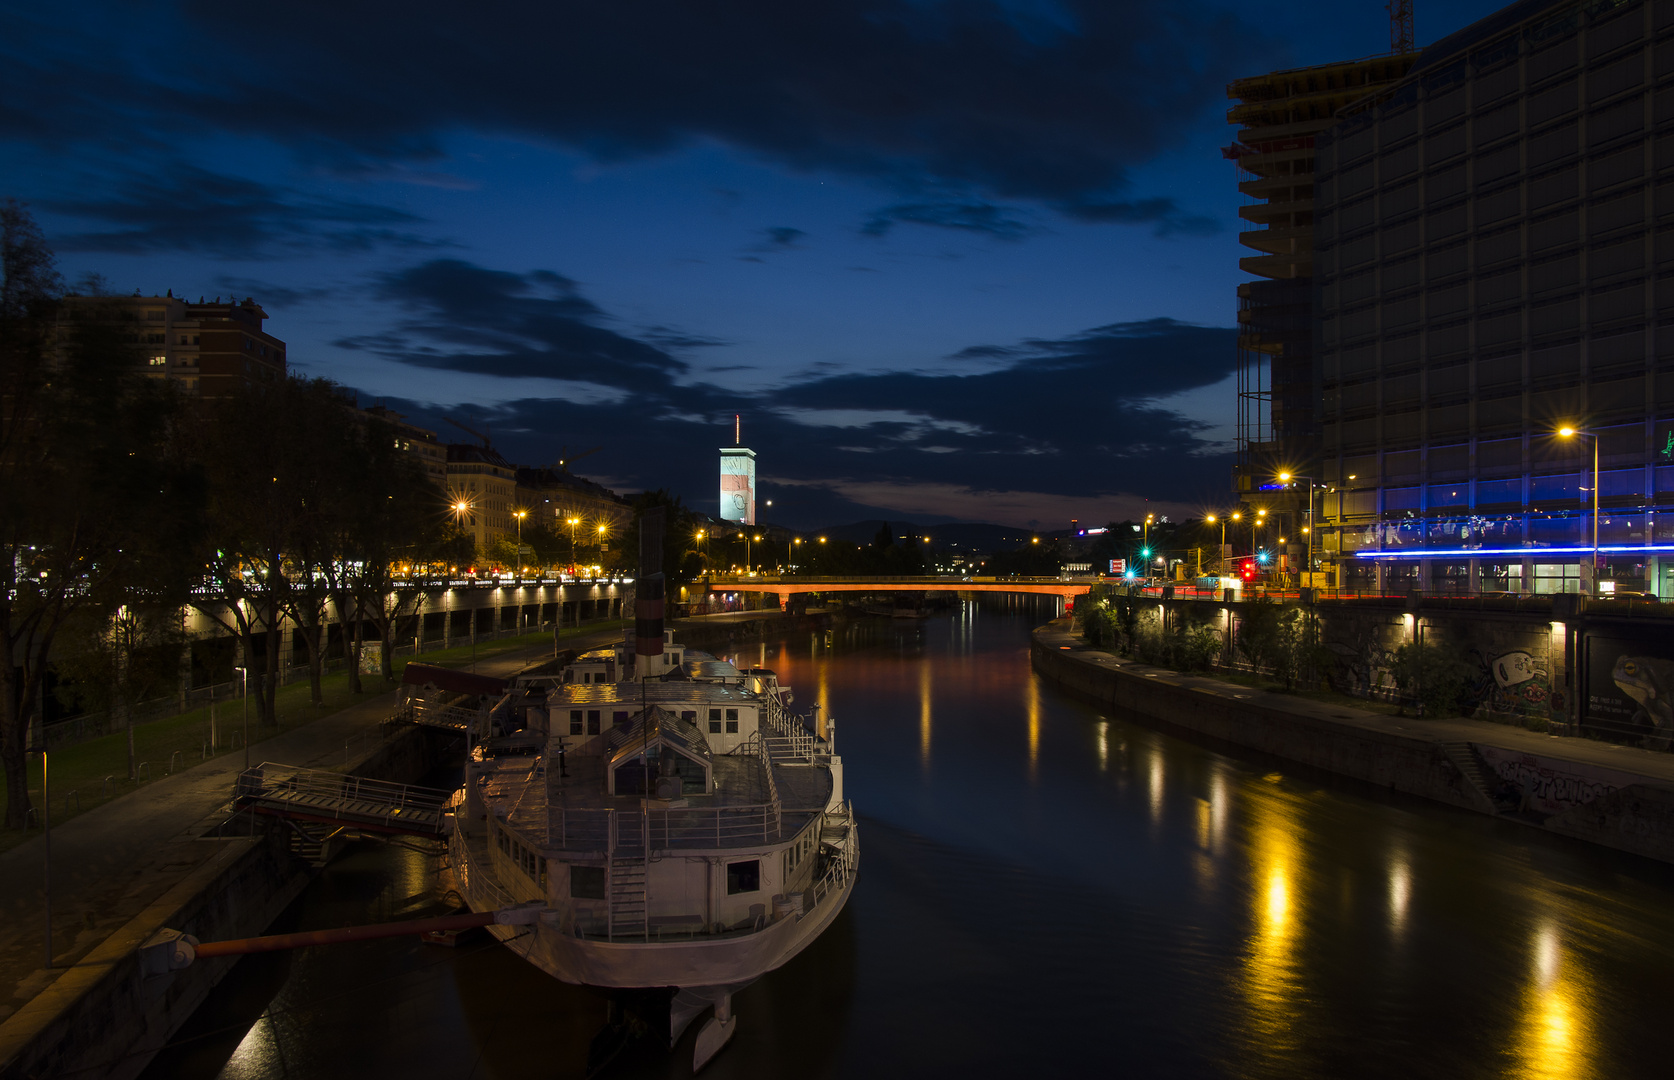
x=737 y=431
x=1400 y=26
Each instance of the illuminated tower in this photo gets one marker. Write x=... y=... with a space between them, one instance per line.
x=738 y=481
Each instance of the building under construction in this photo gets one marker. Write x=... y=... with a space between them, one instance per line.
x=1278 y=116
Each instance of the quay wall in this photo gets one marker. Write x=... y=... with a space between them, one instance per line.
x=1410 y=764
x=1572 y=798
x=106 y=1018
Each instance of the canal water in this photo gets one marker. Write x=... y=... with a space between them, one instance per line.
x=1043 y=886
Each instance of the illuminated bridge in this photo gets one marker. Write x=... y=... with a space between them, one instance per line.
x=784 y=586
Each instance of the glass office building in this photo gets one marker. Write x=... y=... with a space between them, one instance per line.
x=1494 y=261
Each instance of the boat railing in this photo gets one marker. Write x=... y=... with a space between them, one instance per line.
x=612 y=831
x=840 y=863
x=789 y=731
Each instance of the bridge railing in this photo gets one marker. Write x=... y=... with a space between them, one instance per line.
x=939 y=581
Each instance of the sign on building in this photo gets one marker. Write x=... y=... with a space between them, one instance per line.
x=738 y=484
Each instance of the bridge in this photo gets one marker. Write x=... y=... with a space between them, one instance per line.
x=784 y=585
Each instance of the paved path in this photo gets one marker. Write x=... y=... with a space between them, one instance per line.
x=1652 y=764
x=109 y=863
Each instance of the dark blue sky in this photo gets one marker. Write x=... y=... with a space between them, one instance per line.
x=951 y=261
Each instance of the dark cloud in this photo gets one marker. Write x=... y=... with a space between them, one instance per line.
x=972 y=95
x=273 y=296
x=783 y=236
x=186 y=208
x=465 y=317
x=1073 y=416
x=978 y=217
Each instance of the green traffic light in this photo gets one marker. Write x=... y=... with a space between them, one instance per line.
x=1145 y=552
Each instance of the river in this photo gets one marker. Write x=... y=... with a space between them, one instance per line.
x=1043 y=887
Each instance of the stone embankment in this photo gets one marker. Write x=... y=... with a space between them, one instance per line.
x=1620 y=797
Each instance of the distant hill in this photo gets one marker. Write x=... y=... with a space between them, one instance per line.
x=957 y=536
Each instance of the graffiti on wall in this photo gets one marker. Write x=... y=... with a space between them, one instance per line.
x=1512 y=682
x=1548 y=787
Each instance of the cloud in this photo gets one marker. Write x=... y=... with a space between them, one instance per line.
x=1054 y=105
x=461 y=316
x=999 y=222
x=781 y=237
x=190 y=209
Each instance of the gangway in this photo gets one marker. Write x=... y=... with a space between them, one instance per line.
x=298 y=794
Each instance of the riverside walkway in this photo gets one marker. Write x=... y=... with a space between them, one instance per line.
x=110 y=863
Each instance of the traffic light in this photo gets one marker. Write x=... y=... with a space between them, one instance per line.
x=1145 y=552
x=1261 y=556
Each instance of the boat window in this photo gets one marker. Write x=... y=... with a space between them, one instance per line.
x=691 y=715
x=714 y=721
x=732 y=721
x=587 y=883
x=592 y=721
x=575 y=721
x=743 y=877
x=620 y=718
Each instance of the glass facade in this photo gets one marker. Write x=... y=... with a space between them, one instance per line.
x=1494 y=259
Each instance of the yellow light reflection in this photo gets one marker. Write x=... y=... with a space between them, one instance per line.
x=1156 y=776
x=1555 y=1036
x=1205 y=816
x=1103 y=739
x=1031 y=701
x=1272 y=978
x=924 y=715
x=1400 y=890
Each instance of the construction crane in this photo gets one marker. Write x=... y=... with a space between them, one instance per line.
x=565 y=460
x=462 y=427
x=1400 y=27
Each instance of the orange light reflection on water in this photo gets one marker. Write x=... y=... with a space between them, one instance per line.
x=1271 y=980
x=1555 y=1036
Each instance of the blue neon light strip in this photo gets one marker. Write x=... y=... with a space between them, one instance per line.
x=1523 y=551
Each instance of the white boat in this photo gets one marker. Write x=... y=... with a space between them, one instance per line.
x=678 y=825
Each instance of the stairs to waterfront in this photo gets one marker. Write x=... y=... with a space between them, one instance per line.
x=627 y=898
x=1465 y=760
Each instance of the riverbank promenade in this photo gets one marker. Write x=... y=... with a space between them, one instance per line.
x=1602 y=792
x=110 y=863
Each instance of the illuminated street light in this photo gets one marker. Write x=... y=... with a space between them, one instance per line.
x=1574 y=433
x=520 y=515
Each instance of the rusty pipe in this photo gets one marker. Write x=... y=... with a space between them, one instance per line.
x=278 y=942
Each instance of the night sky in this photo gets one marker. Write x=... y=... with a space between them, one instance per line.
x=950 y=261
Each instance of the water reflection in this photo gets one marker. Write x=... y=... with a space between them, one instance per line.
x=1272 y=978
x=1400 y=890
x=924 y=706
x=1031 y=704
x=1555 y=1036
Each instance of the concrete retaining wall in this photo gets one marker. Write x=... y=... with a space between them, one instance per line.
x=105 y=1018
x=1637 y=816
x=1413 y=765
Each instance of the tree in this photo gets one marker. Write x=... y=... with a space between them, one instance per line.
x=90 y=482
x=1434 y=677
x=110 y=662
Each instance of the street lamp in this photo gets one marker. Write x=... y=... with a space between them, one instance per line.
x=573 y=522
x=790 y=557
x=244 y=673
x=1573 y=433
x=520 y=515
x=1289 y=478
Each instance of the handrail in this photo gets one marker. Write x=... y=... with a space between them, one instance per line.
x=840 y=870
x=345 y=788
x=687 y=827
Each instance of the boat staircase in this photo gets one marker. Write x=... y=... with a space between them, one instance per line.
x=321 y=797
x=627 y=897
x=1463 y=756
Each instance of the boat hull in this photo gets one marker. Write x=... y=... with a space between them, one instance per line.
x=726 y=959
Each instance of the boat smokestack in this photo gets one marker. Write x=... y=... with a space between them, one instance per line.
x=648 y=591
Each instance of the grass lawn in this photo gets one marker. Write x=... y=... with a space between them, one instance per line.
x=80 y=772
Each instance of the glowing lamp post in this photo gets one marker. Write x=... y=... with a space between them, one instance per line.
x=1574 y=433
x=520 y=515
x=1289 y=478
